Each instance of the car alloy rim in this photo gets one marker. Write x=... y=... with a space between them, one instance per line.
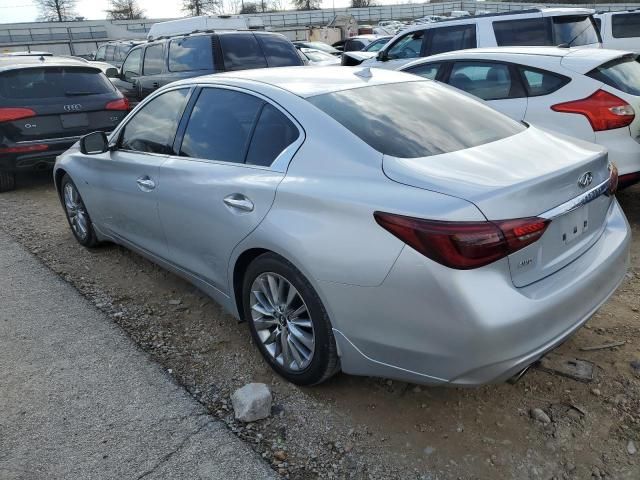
x=75 y=211
x=282 y=321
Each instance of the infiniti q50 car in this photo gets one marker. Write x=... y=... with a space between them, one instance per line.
x=369 y=221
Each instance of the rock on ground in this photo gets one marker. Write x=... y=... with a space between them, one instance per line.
x=252 y=402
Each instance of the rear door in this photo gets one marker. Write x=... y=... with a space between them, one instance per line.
x=233 y=154
x=60 y=102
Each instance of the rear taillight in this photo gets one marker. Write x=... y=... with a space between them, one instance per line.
x=463 y=245
x=120 y=104
x=603 y=110
x=613 y=179
x=24 y=148
x=11 y=114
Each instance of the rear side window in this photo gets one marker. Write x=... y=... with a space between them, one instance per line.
x=426 y=70
x=448 y=39
x=574 y=30
x=50 y=82
x=273 y=133
x=418 y=120
x=279 y=51
x=153 y=128
x=190 y=53
x=153 y=60
x=540 y=82
x=527 y=32
x=241 y=52
x=489 y=81
x=221 y=125
x=625 y=25
x=623 y=74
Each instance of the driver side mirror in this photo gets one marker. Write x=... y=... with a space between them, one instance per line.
x=112 y=72
x=382 y=56
x=94 y=143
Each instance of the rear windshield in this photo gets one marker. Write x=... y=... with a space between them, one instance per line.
x=625 y=25
x=415 y=119
x=623 y=74
x=53 y=82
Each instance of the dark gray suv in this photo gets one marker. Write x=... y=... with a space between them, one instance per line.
x=158 y=63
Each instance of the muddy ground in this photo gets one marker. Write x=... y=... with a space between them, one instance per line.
x=363 y=427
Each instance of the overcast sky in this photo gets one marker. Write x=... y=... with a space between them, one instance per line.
x=26 y=11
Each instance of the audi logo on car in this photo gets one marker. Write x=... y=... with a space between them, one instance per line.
x=585 y=179
x=72 y=108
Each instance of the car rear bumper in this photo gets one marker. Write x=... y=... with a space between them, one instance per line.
x=430 y=324
x=33 y=154
x=624 y=151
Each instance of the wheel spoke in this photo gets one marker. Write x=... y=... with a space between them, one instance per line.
x=274 y=288
x=295 y=353
x=302 y=322
x=291 y=295
x=264 y=288
x=286 y=352
x=298 y=311
x=304 y=337
x=264 y=323
x=261 y=307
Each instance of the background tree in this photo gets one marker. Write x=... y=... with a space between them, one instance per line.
x=249 y=7
x=57 y=10
x=202 y=7
x=306 y=4
x=124 y=10
x=362 y=3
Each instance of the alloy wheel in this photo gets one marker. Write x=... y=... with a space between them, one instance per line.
x=76 y=212
x=282 y=321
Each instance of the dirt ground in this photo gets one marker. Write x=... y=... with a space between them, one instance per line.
x=363 y=427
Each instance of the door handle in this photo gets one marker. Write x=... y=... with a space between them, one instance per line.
x=156 y=85
x=238 y=201
x=146 y=184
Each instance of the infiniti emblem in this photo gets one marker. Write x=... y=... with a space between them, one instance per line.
x=72 y=108
x=585 y=180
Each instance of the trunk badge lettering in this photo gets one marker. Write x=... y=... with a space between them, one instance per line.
x=585 y=180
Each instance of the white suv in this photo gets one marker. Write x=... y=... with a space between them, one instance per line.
x=620 y=30
x=538 y=26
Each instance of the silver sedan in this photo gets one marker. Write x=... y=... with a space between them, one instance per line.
x=363 y=220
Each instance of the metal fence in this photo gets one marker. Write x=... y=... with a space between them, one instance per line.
x=52 y=34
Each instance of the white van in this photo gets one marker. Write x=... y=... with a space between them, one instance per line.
x=534 y=27
x=620 y=30
x=184 y=26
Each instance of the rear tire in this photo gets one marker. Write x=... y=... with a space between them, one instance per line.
x=291 y=328
x=7 y=181
x=76 y=213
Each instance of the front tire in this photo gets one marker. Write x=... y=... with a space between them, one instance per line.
x=288 y=322
x=77 y=215
x=7 y=181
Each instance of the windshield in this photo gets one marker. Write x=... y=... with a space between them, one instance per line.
x=317 y=55
x=376 y=45
x=574 y=31
x=322 y=46
x=415 y=119
x=53 y=82
x=623 y=74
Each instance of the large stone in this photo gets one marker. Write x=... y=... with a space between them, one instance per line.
x=252 y=402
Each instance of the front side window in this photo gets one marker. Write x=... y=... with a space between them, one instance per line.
x=121 y=52
x=408 y=46
x=153 y=128
x=278 y=51
x=523 y=32
x=241 y=51
x=622 y=73
x=540 y=82
x=418 y=120
x=100 y=53
x=153 y=60
x=111 y=50
x=448 y=39
x=625 y=25
x=489 y=81
x=426 y=70
x=190 y=54
x=131 y=66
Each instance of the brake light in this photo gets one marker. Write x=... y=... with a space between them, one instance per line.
x=613 y=179
x=463 y=245
x=11 y=114
x=604 y=110
x=119 y=104
x=24 y=149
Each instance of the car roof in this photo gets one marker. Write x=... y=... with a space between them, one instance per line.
x=578 y=58
x=16 y=62
x=308 y=81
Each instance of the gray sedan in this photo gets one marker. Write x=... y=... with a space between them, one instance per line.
x=363 y=220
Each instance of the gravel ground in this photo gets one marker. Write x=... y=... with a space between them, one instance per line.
x=362 y=427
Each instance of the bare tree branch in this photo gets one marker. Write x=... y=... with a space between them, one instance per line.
x=57 y=10
x=124 y=10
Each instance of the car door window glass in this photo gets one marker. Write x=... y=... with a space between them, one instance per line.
x=111 y=50
x=191 y=53
x=153 y=60
x=221 y=125
x=131 y=66
x=278 y=51
x=540 y=82
x=489 y=81
x=408 y=46
x=100 y=53
x=448 y=39
x=426 y=70
x=241 y=51
x=527 y=32
x=121 y=52
x=273 y=133
x=353 y=46
x=574 y=30
x=153 y=128
x=625 y=25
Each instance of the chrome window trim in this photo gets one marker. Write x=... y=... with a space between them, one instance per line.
x=577 y=202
